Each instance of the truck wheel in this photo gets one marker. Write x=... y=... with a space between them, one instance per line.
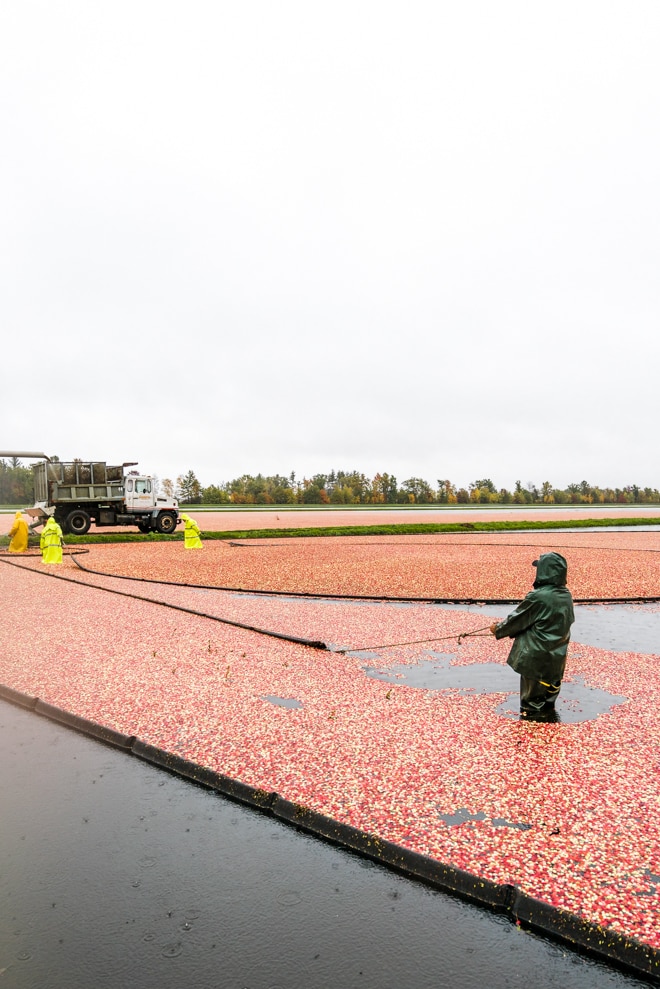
x=78 y=522
x=144 y=527
x=166 y=522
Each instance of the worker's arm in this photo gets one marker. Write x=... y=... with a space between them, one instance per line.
x=519 y=620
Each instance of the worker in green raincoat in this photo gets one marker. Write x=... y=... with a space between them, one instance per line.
x=541 y=629
x=19 y=535
x=51 y=542
x=191 y=533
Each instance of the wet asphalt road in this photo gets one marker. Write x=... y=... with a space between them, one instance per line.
x=116 y=874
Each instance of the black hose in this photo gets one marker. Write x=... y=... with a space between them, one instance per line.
x=312 y=643
x=400 y=599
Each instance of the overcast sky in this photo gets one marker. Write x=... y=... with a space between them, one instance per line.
x=421 y=238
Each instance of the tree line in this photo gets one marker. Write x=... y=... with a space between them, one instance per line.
x=340 y=487
x=16 y=486
x=353 y=488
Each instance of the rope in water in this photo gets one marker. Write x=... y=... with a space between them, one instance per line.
x=415 y=642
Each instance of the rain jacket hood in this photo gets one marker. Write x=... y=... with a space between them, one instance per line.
x=551 y=568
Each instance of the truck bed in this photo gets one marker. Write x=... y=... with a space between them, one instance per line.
x=77 y=481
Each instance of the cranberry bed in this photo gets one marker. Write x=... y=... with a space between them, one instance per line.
x=579 y=802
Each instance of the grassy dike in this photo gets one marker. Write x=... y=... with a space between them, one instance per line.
x=402 y=529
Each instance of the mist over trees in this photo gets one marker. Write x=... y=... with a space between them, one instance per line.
x=340 y=487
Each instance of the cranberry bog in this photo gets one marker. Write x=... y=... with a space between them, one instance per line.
x=250 y=665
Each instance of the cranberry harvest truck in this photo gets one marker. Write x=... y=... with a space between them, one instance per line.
x=81 y=492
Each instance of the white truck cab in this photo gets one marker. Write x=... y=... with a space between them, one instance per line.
x=138 y=492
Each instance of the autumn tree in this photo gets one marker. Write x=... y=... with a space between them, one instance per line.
x=214 y=495
x=446 y=492
x=189 y=490
x=483 y=491
x=383 y=489
x=547 y=493
x=417 y=490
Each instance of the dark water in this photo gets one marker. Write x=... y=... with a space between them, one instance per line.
x=621 y=627
x=115 y=874
x=282 y=701
x=577 y=700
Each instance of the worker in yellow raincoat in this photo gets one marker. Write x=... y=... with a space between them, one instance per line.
x=51 y=542
x=191 y=533
x=19 y=535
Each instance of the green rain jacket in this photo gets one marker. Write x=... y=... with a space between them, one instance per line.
x=541 y=624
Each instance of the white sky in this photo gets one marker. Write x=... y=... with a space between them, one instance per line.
x=421 y=238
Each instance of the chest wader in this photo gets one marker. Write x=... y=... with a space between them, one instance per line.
x=536 y=696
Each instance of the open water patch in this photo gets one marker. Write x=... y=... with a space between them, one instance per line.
x=438 y=673
x=577 y=701
x=464 y=816
x=619 y=627
x=290 y=702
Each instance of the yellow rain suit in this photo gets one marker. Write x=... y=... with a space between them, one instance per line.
x=19 y=535
x=191 y=533
x=51 y=542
